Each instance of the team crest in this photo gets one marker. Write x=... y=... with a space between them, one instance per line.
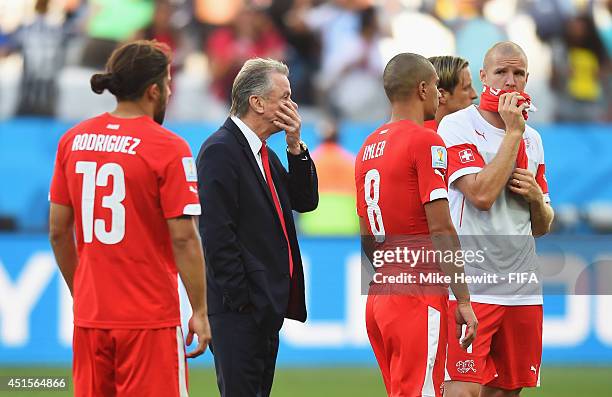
x=438 y=157
x=466 y=156
x=463 y=367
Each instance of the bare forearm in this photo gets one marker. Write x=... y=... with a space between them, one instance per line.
x=446 y=243
x=64 y=249
x=494 y=176
x=542 y=216
x=190 y=263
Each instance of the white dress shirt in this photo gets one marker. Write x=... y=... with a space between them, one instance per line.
x=254 y=142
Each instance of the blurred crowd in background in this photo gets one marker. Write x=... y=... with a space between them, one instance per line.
x=336 y=50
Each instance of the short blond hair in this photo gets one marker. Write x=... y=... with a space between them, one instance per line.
x=448 y=68
x=253 y=79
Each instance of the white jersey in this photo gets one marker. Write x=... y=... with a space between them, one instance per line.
x=503 y=232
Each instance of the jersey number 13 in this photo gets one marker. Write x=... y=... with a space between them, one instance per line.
x=92 y=178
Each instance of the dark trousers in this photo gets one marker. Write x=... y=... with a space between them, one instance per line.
x=245 y=355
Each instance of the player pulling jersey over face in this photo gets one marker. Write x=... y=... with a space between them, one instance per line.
x=401 y=196
x=499 y=200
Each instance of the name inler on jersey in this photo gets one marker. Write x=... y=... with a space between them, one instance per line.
x=105 y=143
x=374 y=150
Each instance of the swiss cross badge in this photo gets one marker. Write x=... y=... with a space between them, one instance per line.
x=466 y=156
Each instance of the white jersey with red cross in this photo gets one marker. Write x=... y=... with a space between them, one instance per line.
x=503 y=232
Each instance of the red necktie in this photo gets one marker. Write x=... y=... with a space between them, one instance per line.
x=279 y=211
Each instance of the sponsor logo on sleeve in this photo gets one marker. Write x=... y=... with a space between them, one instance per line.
x=438 y=157
x=191 y=174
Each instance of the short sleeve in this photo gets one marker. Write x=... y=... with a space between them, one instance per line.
x=178 y=184
x=541 y=172
x=463 y=155
x=430 y=160
x=59 y=193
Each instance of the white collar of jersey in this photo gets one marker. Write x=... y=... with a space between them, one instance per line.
x=251 y=137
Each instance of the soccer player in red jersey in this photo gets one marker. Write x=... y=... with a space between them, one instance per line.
x=125 y=189
x=499 y=202
x=401 y=194
x=455 y=86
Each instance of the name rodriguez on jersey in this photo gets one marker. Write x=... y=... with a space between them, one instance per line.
x=105 y=143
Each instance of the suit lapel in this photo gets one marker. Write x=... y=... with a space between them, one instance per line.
x=248 y=153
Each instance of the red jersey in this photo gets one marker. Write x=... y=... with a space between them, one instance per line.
x=431 y=124
x=400 y=167
x=124 y=178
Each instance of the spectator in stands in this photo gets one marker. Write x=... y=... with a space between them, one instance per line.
x=303 y=48
x=41 y=43
x=163 y=30
x=110 y=23
x=251 y=34
x=579 y=67
x=475 y=34
x=359 y=69
x=335 y=215
x=336 y=23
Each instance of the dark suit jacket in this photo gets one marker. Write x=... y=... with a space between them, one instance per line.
x=247 y=262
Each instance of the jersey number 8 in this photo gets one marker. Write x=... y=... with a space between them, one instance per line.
x=372 y=195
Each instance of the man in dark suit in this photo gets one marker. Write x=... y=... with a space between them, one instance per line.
x=255 y=276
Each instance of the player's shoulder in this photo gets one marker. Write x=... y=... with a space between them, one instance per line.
x=458 y=127
x=85 y=126
x=533 y=137
x=426 y=135
x=531 y=132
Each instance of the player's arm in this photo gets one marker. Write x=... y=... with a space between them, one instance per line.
x=524 y=183
x=482 y=189
x=444 y=239
x=61 y=237
x=430 y=160
x=189 y=259
x=542 y=216
x=367 y=241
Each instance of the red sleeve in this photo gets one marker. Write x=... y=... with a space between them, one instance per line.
x=431 y=162
x=179 y=184
x=463 y=159
x=59 y=193
x=541 y=180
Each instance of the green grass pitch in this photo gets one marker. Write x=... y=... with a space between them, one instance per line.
x=356 y=382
